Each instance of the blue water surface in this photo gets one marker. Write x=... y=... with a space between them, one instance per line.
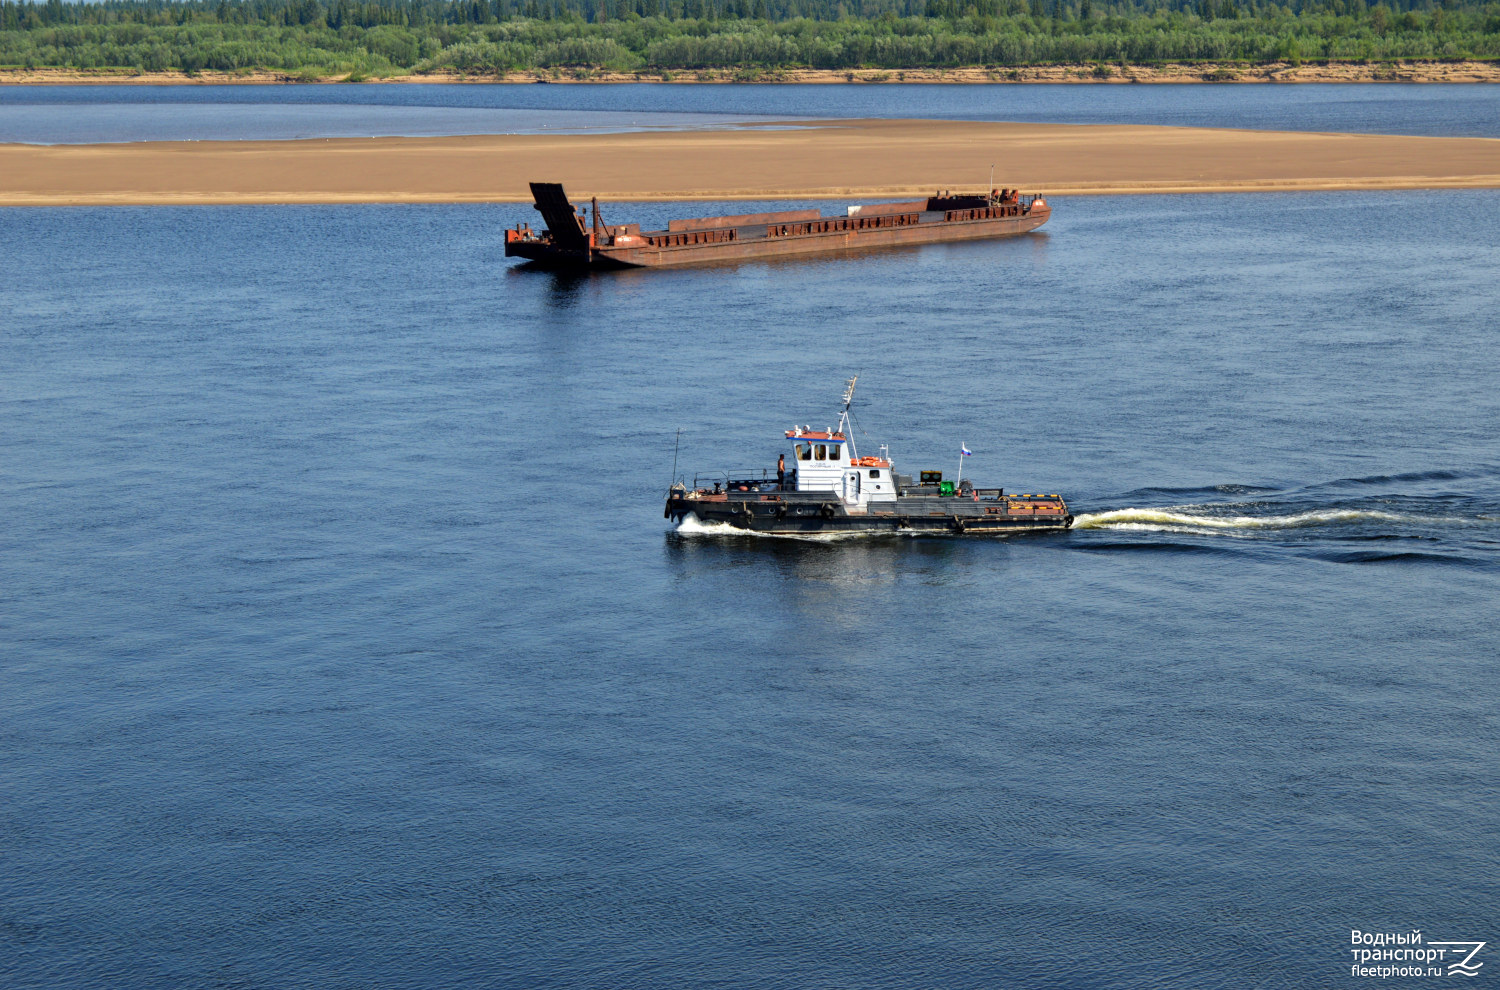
x=32 y=114
x=342 y=642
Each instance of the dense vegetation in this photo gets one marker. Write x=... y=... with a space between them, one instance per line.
x=384 y=37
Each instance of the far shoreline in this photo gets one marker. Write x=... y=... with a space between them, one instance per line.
x=1176 y=73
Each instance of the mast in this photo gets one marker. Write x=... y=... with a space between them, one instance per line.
x=675 y=447
x=844 y=416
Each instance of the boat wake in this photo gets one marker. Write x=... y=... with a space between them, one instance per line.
x=691 y=525
x=1444 y=529
x=1201 y=519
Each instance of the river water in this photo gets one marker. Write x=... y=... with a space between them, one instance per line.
x=89 y=114
x=343 y=644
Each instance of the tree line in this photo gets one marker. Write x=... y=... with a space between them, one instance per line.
x=392 y=37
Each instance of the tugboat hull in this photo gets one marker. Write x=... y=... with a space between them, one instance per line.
x=790 y=515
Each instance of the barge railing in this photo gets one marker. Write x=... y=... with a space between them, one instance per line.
x=831 y=225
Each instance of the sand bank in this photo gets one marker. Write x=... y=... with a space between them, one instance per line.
x=837 y=159
x=1415 y=71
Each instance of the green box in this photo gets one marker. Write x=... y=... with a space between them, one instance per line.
x=945 y=488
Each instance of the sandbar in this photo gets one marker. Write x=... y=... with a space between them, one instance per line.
x=824 y=160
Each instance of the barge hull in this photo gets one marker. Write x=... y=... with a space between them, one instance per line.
x=571 y=241
x=936 y=232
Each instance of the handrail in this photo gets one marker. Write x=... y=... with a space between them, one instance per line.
x=756 y=476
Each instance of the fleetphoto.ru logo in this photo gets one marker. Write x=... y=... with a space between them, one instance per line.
x=1385 y=954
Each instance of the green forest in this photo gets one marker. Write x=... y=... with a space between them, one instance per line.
x=745 y=38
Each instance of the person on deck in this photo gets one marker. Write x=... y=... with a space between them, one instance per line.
x=780 y=470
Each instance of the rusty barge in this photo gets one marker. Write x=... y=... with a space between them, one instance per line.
x=829 y=489
x=574 y=240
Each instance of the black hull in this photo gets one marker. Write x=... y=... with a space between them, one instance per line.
x=952 y=517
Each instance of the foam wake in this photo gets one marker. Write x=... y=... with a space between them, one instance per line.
x=1196 y=521
x=691 y=525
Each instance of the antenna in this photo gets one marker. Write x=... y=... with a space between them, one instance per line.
x=674 y=456
x=844 y=416
x=992 y=181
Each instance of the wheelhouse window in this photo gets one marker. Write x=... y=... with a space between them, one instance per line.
x=804 y=451
x=820 y=452
x=874 y=472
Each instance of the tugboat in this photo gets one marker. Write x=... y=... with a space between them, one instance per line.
x=832 y=489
